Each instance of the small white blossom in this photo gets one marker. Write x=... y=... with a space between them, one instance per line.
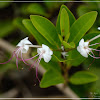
x=45 y=52
x=84 y=48
x=24 y=44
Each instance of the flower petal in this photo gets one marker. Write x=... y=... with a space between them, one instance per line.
x=25 y=49
x=47 y=58
x=81 y=43
x=82 y=51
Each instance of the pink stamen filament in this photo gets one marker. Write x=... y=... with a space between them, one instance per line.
x=17 y=56
x=93 y=60
x=94 y=44
x=35 y=60
x=11 y=57
x=27 y=59
x=23 y=59
x=95 y=49
x=94 y=56
x=37 y=69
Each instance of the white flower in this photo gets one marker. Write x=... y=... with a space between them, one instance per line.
x=83 y=48
x=24 y=44
x=45 y=52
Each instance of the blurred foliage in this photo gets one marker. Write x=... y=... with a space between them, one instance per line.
x=6 y=27
x=5 y=4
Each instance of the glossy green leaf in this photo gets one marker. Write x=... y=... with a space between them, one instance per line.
x=76 y=56
x=40 y=39
x=51 y=65
x=64 y=23
x=51 y=78
x=68 y=45
x=83 y=77
x=71 y=18
x=81 y=26
x=46 y=28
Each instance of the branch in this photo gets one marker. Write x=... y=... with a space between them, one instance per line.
x=66 y=90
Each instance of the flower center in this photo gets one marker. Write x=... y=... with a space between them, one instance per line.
x=43 y=51
x=85 y=47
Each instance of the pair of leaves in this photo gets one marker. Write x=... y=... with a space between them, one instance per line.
x=64 y=21
x=81 y=26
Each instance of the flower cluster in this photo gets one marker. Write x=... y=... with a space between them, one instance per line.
x=23 y=46
x=84 y=48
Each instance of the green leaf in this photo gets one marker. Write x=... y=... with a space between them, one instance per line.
x=81 y=26
x=18 y=23
x=51 y=65
x=40 y=39
x=46 y=28
x=64 y=24
x=51 y=78
x=82 y=77
x=76 y=56
x=68 y=45
x=71 y=18
x=6 y=27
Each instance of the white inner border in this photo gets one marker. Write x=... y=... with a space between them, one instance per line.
x=45 y=98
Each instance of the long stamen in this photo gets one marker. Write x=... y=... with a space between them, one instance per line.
x=11 y=57
x=27 y=59
x=35 y=61
x=92 y=61
x=94 y=44
x=23 y=59
x=37 y=69
x=95 y=49
x=33 y=64
x=94 y=56
x=94 y=38
x=17 y=56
